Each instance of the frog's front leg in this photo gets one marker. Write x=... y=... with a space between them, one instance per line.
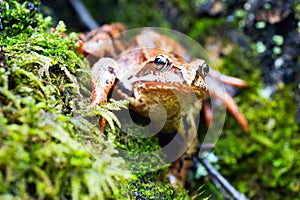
x=103 y=77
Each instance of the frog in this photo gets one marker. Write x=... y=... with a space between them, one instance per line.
x=94 y=47
x=151 y=73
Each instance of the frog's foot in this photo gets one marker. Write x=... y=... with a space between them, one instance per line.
x=216 y=78
x=179 y=170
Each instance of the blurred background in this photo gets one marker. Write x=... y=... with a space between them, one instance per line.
x=257 y=41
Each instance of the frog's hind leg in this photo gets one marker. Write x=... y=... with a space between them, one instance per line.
x=216 y=80
x=179 y=169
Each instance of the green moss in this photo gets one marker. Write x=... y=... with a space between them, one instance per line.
x=19 y=16
x=149 y=187
x=205 y=27
x=265 y=158
x=150 y=170
x=273 y=134
x=41 y=156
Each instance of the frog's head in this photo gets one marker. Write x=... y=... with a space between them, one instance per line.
x=166 y=72
x=166 y=85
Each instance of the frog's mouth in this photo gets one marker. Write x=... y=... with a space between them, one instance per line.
x=162 y=83
x=162 y=99
x=163 y=87
x=143 y=89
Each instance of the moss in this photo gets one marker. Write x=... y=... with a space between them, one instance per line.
x=205 y=27
x=19 y=16
x=265 y=158
x=42 y=154
x=273 y=129
x=273 y=132
x=150 y=171
x=148 y=187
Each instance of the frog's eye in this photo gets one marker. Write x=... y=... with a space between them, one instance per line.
x=205 y=69
x=161 y=62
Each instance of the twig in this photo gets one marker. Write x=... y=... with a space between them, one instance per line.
x=220 y=187
x=225 y=184
x=84 y=14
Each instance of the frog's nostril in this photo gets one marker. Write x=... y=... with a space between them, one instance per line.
x=99 y=42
